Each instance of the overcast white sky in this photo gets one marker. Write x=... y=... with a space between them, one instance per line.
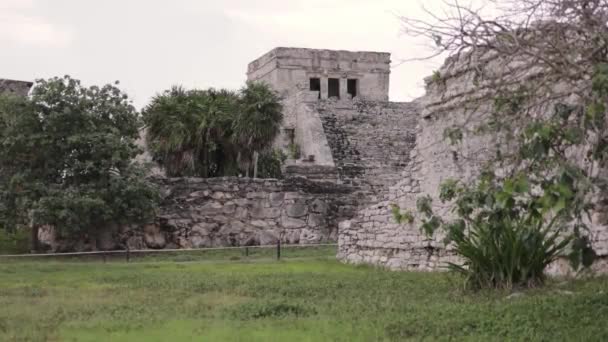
x=149 y=45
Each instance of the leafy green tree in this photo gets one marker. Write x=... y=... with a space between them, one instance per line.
x=67 y=159
x=211 y=133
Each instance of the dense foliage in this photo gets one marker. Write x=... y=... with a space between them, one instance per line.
x=14 y=242
x=211 y=132
x=66 y=159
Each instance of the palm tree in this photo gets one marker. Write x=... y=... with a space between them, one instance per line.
x=210 y=132
x=187 y=128
x=258 y=121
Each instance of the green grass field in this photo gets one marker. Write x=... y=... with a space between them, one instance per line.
x=291 y=300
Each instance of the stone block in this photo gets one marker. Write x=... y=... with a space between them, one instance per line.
x=291 y=223
x=292 y=195
x=265 y=213
x=316 y=220
x=197 y=241
x=204 y=228
x=319 y=206
x=298 y=209
x=256 y=195
x=241 y=213
x=211 y=208
x=154 y=237
x=229 y=208
x=310 y=236
x=292 y=236
x=266 y=238
x=200 y=193
x=276 y=198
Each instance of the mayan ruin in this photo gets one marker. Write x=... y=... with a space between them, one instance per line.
x=360 y=154
x=366 y=170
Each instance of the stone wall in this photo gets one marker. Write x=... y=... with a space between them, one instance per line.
x=198 y=212
x=230 y=211
x=374 y=237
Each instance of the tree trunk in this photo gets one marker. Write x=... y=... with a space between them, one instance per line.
x=34 y=245
x=255 y=164
x=205 y=157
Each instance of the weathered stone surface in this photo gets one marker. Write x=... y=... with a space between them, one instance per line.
x=136 y=242
x=229 y=208
x=290 y=223
x=316 y=220
x=211 y=208
x=292 y=236
x=204 y=228
x=154 y=237
x=265 y=213
x=310 y=236
x=296 y=210
x=276 y=198
x=266 y=238
x=197 y=241
x=319 y=206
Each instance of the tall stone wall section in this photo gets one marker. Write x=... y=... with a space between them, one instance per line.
x=370 y=142
x=374 y=237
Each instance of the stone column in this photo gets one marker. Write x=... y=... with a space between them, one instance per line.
x=324 y=87
x=343 y=88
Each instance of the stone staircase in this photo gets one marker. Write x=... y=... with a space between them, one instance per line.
x=370 y=143
x=315 y=173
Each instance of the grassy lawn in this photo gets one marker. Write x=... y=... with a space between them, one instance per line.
x=291 y=300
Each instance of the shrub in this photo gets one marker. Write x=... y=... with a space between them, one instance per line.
x=506 y=233
x=16 y=242
x=294 y=151
x=269 y=164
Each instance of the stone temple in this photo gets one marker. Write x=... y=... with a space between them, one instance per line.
x=19 y=88
x=388 y=154
x=326 y=73
x=338 y=115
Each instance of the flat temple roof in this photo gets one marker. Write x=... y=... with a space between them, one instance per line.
x=361 y=56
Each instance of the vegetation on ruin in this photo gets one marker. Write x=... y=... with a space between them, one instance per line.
x=270 y=162
x=211 y=133
x=294 y=151
x=299 y=300
x=532 y=201
x=67 y=160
